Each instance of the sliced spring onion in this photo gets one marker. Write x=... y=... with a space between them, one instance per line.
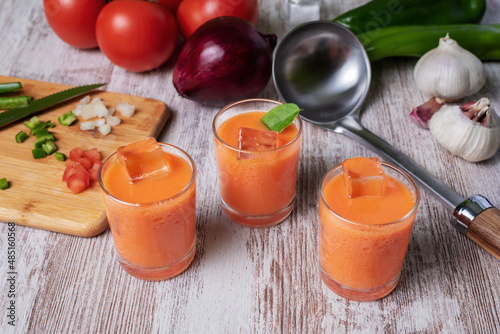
x=4 y=184
x=38 y=153
x=49 y=147
x=9 y=87
x=67 y=119
x=21 y=136
x=60 y=156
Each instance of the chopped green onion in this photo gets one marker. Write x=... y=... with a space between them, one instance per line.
x=60 y=156
x=38 y=153
x=9 y=87
x=49 y=147
x=4 y=184
x=39 y=133
x=33 y=122
x=42 y=140
x=14 y=101
x=21 y=136
x=67 y=119
x=281 y=116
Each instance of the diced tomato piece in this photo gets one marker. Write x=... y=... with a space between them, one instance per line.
x=76 y=169
x=92 y=155
x=86 y=163
x=75 y=154
x=94 y=171
x=75 y=183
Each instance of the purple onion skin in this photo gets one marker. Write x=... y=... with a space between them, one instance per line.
x=225 y=60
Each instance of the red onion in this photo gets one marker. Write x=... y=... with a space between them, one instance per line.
x=225 y=60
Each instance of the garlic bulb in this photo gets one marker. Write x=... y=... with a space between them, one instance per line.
x=471 y=131
x=449 y=72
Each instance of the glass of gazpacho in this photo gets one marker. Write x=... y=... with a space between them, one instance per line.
x=257 y=168
x=149 y=191
x=366 y=213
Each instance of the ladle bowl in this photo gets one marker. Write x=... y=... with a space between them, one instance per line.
x=323 y=68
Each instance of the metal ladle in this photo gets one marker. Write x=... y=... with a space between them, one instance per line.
x=323 y=68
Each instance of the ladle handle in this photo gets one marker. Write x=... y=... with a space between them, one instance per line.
x=351 y=127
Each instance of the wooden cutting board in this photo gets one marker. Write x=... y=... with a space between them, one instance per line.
x=37 y=196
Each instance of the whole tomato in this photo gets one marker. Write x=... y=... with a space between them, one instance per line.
x=136 y=35
x=171 y=4
x=193 y=13
x=74 y=20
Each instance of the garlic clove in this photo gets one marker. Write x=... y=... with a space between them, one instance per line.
x=454 y=129
x=422 y=114
x=449 y=71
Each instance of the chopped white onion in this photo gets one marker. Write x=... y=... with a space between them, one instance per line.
x=78 y=110
x=111 y=111
x=104 y=129
x=85 y=100
x=125 y=109
x=100 y=121
x=96 y=99
x=89 y=125
x=88 y=111
x=113 y=120
x=100 y=109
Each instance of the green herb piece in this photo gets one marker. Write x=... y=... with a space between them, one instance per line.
x=8 y=87
x=49 y=147
x=38 y=153
x=4 y=184
x=42 y=140
x=33 y=122
x=41 y=126
x=39 y=133
x=67 y=119
x=14 y=101
x=21 y=136
x=281 y=116
x=60 y=156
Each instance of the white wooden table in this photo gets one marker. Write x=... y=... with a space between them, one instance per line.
x=250 y=280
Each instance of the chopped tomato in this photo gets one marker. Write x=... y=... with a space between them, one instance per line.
x=77 y=169
x=85 y=163
x=75 y=184
x=92 y=155
x=76 y=153
x=94 y=171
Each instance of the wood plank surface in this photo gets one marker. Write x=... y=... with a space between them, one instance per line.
x=250 y=280
x=37 y=197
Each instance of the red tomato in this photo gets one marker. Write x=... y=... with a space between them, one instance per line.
x=92 y=155
x=193 y=13
x=94 y=171
x=171 y=4
x=76 y=184
x=74 y=20
x=75 y=154
x=136 y=35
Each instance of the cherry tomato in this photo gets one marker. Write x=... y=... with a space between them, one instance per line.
x=74 y=20
x=193 y=13
x=171 y=4
x=136 y=35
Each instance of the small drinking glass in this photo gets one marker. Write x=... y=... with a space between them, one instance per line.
x=257 y=187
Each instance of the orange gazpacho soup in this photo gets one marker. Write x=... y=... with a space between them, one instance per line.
x=256 y=182
x=365 y=227
x=152 y=214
